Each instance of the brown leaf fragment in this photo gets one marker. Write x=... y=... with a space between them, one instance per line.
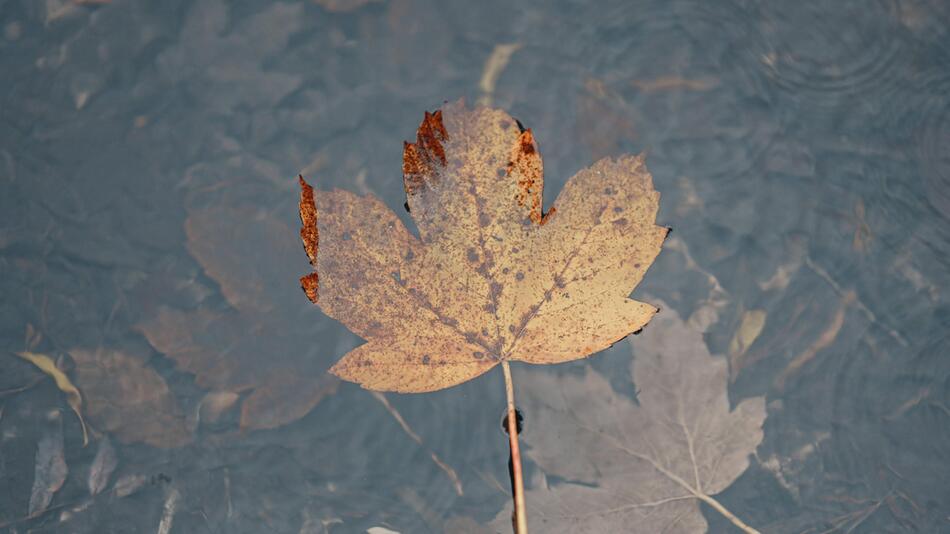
x=490 y=278
x=50 y=471
x=102 y=467
x=128 y=399
x=289 y=397
x=645 y=466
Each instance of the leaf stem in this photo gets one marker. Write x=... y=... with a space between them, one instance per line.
x=521 y=517
x=725 y=512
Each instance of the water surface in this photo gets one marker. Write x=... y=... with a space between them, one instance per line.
x=800 y=148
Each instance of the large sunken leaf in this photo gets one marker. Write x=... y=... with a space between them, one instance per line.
x=248 y=348
x=490 y=277
x=129 y=399
x=639 y=467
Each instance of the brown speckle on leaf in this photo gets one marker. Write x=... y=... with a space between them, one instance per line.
x=525 y=166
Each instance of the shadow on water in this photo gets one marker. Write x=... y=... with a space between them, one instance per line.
x=148 y=247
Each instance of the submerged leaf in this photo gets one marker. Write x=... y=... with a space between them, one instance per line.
x=129 y=399
x=639 y=467
x=50 y=471
x=491 y=277
x=246 y=349
x=750 y=327
x=102 y=467
x=48 y=366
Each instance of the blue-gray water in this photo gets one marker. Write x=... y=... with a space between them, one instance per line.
x=802 y=150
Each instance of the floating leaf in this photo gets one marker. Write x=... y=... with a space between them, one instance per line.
x=73 y=397
x=129 y=399
x=639 y=467
x=491 y=278
x=249 y=348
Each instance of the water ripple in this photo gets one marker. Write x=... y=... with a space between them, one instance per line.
x=933 y=139
x=824 y=56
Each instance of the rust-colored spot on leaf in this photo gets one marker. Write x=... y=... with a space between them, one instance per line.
x=310 y=284
x=525 y=166
x=310 y=237
x=421 y=159
x=308 y=220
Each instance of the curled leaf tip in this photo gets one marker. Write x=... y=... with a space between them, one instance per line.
x=422 y=159
x=309 y=236
x=308 y=220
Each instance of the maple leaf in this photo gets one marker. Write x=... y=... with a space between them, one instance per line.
x=129 y=399
x=490 y=277
x=244 y=250
x=639 y=467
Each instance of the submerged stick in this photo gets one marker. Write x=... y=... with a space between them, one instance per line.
x=517 y=490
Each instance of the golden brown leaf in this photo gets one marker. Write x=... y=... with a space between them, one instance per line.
x=129 y=399
x=489 y=278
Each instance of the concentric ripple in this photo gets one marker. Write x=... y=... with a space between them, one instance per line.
x=825 y=56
